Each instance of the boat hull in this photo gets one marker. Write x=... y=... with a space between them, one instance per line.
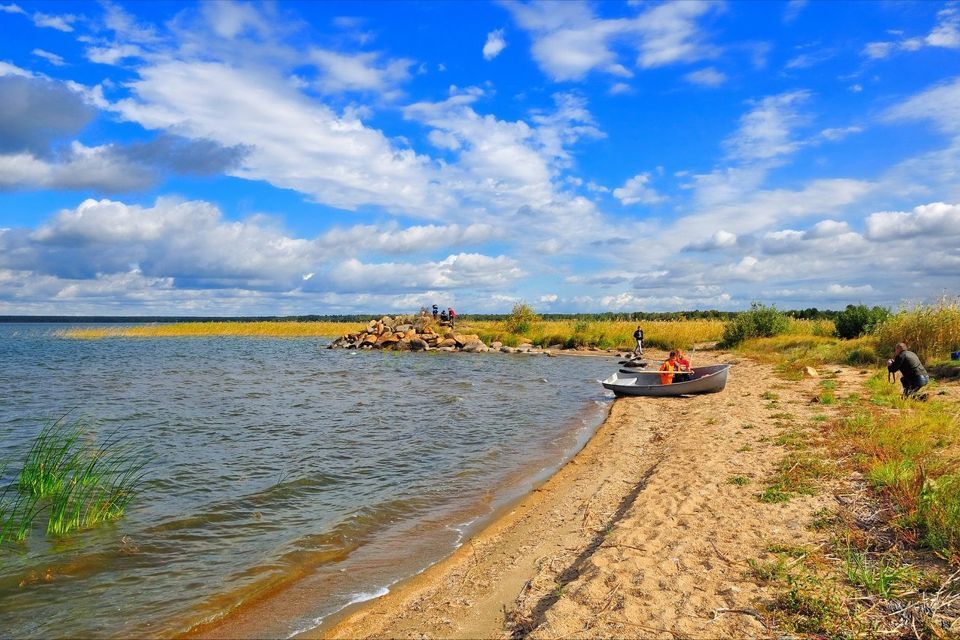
x=706 y=379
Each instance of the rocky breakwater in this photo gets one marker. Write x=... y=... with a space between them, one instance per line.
x=410 y=333
x=422 y=333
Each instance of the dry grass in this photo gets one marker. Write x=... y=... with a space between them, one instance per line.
x=210 y=329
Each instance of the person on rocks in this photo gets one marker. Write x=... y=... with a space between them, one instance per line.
x=912 y=374
x=638 y=336
x=452 y=314
x=443 y=316
x=668 y=369
x=435 y=308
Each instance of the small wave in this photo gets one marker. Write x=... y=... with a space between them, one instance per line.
x=355 y=598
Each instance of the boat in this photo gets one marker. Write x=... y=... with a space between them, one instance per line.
x=706 y=379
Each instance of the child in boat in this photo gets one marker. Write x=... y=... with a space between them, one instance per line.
x=668 y=368
x=683 y=366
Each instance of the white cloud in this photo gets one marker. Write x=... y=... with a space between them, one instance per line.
x=839 y=133
x=494 y=45
x=60 y=23
x=456 y=271
x=719 y=240
x=570 y=41
x=945 y=34
x=636 y=191
x=940 y=104
x=11 y=8
x=52 y=58
x=935 y=221
x=414 y=239
x=359 y=72
x=708 y=77
x=766 y=132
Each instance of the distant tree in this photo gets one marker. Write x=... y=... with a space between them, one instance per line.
x=760 y=321
x=521 y=318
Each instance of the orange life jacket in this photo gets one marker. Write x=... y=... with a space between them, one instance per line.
x=667 y=378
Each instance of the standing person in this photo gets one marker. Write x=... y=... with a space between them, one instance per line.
x=435 y=312
x=683 y=366
x=443 y=316
x=912 y=374
x=638 y=336
x=668 y=368
x=452 y=314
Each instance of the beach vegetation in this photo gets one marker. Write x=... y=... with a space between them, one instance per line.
x=521 y=319
x=858 y=320
x=760 y=321
x=881 y=576
x=738 y=480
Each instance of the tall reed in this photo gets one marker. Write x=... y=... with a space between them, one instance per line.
x=51 y=458
x=931 y=331
x=267 y=329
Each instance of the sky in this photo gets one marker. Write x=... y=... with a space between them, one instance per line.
x=283 y=158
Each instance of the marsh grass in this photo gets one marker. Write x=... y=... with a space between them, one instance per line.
x=793 y=352
x=600 y=334
x=266 y=329
x=931 y=331
x=883 y=576
x=51 y=458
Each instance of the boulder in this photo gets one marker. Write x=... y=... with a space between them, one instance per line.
x=387 y=320
x=448 y=342
x=506 y=349
x=403 y=328
x=368 y=339
x=388 y=339
x=525 y=347
x=416 y=344
x=810 y=371
x=410 y=335
x=464 y=339
x=449 y=334
x=475 y=346
x=495 y=345
x=446 y=348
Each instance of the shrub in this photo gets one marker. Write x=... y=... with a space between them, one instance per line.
x=759 y=322
x=521 y=318
x=855 y=321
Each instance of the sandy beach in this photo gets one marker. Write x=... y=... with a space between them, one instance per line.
x=640 y=534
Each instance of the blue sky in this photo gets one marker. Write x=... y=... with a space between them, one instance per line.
x=229 y=158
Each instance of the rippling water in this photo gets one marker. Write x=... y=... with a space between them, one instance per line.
x=273 y=460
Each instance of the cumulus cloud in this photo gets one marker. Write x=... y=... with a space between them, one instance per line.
x=461 y=270
x=719 y=240
x=494 y=45
x=636 y=191
x=394 y=240
x=937 y=220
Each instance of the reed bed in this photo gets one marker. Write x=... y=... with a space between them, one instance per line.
x=601 y=334
x=931 y=331
x=268 y=329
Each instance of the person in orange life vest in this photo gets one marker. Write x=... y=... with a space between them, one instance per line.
x=669 y=367
x=683 y=366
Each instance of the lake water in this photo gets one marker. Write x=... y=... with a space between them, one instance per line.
x=273 y=462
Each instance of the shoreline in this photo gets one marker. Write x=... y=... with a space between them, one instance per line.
x=263 y=613
x=641 y=525
x=629 y=529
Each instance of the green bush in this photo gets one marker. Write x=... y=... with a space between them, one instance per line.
x=521 y=318
x=760 y=321
x=857 y=320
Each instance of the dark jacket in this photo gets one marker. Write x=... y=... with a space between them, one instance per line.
x=908 y=364
x=638 y=334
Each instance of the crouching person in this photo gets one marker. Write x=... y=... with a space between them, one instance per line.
x=913 y=375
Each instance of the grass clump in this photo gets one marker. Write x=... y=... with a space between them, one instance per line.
x=760 y=321
x=78 y=485
x=882 y=576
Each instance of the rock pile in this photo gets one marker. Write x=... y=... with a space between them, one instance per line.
x=410 y=333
